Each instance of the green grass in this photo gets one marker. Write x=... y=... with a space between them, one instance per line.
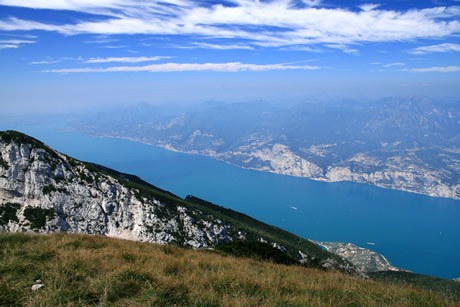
x=448 y=287
x=126 y=273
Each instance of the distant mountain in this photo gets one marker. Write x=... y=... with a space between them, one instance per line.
x=42 y=190
x=408 y=144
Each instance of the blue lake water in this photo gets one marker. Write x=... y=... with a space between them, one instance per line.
x=415 y=232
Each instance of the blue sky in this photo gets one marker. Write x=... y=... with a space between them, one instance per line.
x=68 y=54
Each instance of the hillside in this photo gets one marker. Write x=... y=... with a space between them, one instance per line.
x=44 y=191
x=94 y=270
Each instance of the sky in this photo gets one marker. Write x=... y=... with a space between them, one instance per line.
x=65 y=55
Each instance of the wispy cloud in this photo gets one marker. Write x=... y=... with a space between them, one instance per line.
x=437 y=69
x=54 y=61
x=174 y=67
x=344 y=48
x=13 y=43
x=16 y=41
x=126 y=59
x=446 y=47
x=101 y=41
x=220 y=47
x=6 y=46
x=394 y=64
x=114 y=46
x=261 y=23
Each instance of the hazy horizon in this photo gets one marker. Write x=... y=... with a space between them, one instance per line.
x=65 y=56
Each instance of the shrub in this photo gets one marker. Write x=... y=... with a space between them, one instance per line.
x=38 y=216
x=8 y=213
x=255 y=250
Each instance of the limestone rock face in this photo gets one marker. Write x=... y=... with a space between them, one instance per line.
x=44 y=191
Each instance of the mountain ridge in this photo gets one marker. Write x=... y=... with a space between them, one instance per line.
x=397 y=143
x=43 y=191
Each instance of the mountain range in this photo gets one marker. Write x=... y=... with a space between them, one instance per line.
x=408 y=144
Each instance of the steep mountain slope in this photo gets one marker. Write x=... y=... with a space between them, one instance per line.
x=43 y=191
x=409 y=144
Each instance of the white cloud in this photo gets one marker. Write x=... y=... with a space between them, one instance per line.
x=369 y=7
x=51 y=61
x=301 y=48
x=16 y=41
x=174 y=67
x=101 y=41
x=252 y=20
x=344 y=48
x=13 y=43
x=45 y=62
x=6 y=46
x=221 y=47
x=114 y=46
x=394 y=64
x=126 y=59
x=446 y=47
x=437 y=69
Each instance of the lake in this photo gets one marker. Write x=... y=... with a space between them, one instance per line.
x=415 y=232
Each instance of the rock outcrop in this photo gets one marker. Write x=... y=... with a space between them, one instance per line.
x=43 y=191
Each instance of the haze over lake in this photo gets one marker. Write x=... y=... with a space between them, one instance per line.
x=415 y=232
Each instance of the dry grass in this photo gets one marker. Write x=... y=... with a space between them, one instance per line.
x=83 y=270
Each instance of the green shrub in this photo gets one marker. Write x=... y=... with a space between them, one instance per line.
x=51 y=188
x=255 y=250
x=38 y=216
x=8 y=213
x=4 y=164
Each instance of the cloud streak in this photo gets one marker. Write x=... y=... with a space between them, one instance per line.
x=126 y=59
x=51 y=61
x=220 y=47
x=446 y=47
x=176 y=67
x=437 y=69
x=394 y=64
x=13 y=43
x=7 y=46
x=260 y=23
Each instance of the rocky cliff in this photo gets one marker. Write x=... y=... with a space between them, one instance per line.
x=42 y=190
x=45 y=191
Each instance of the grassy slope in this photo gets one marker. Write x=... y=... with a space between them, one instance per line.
x=449 y=287
x=81 y=270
